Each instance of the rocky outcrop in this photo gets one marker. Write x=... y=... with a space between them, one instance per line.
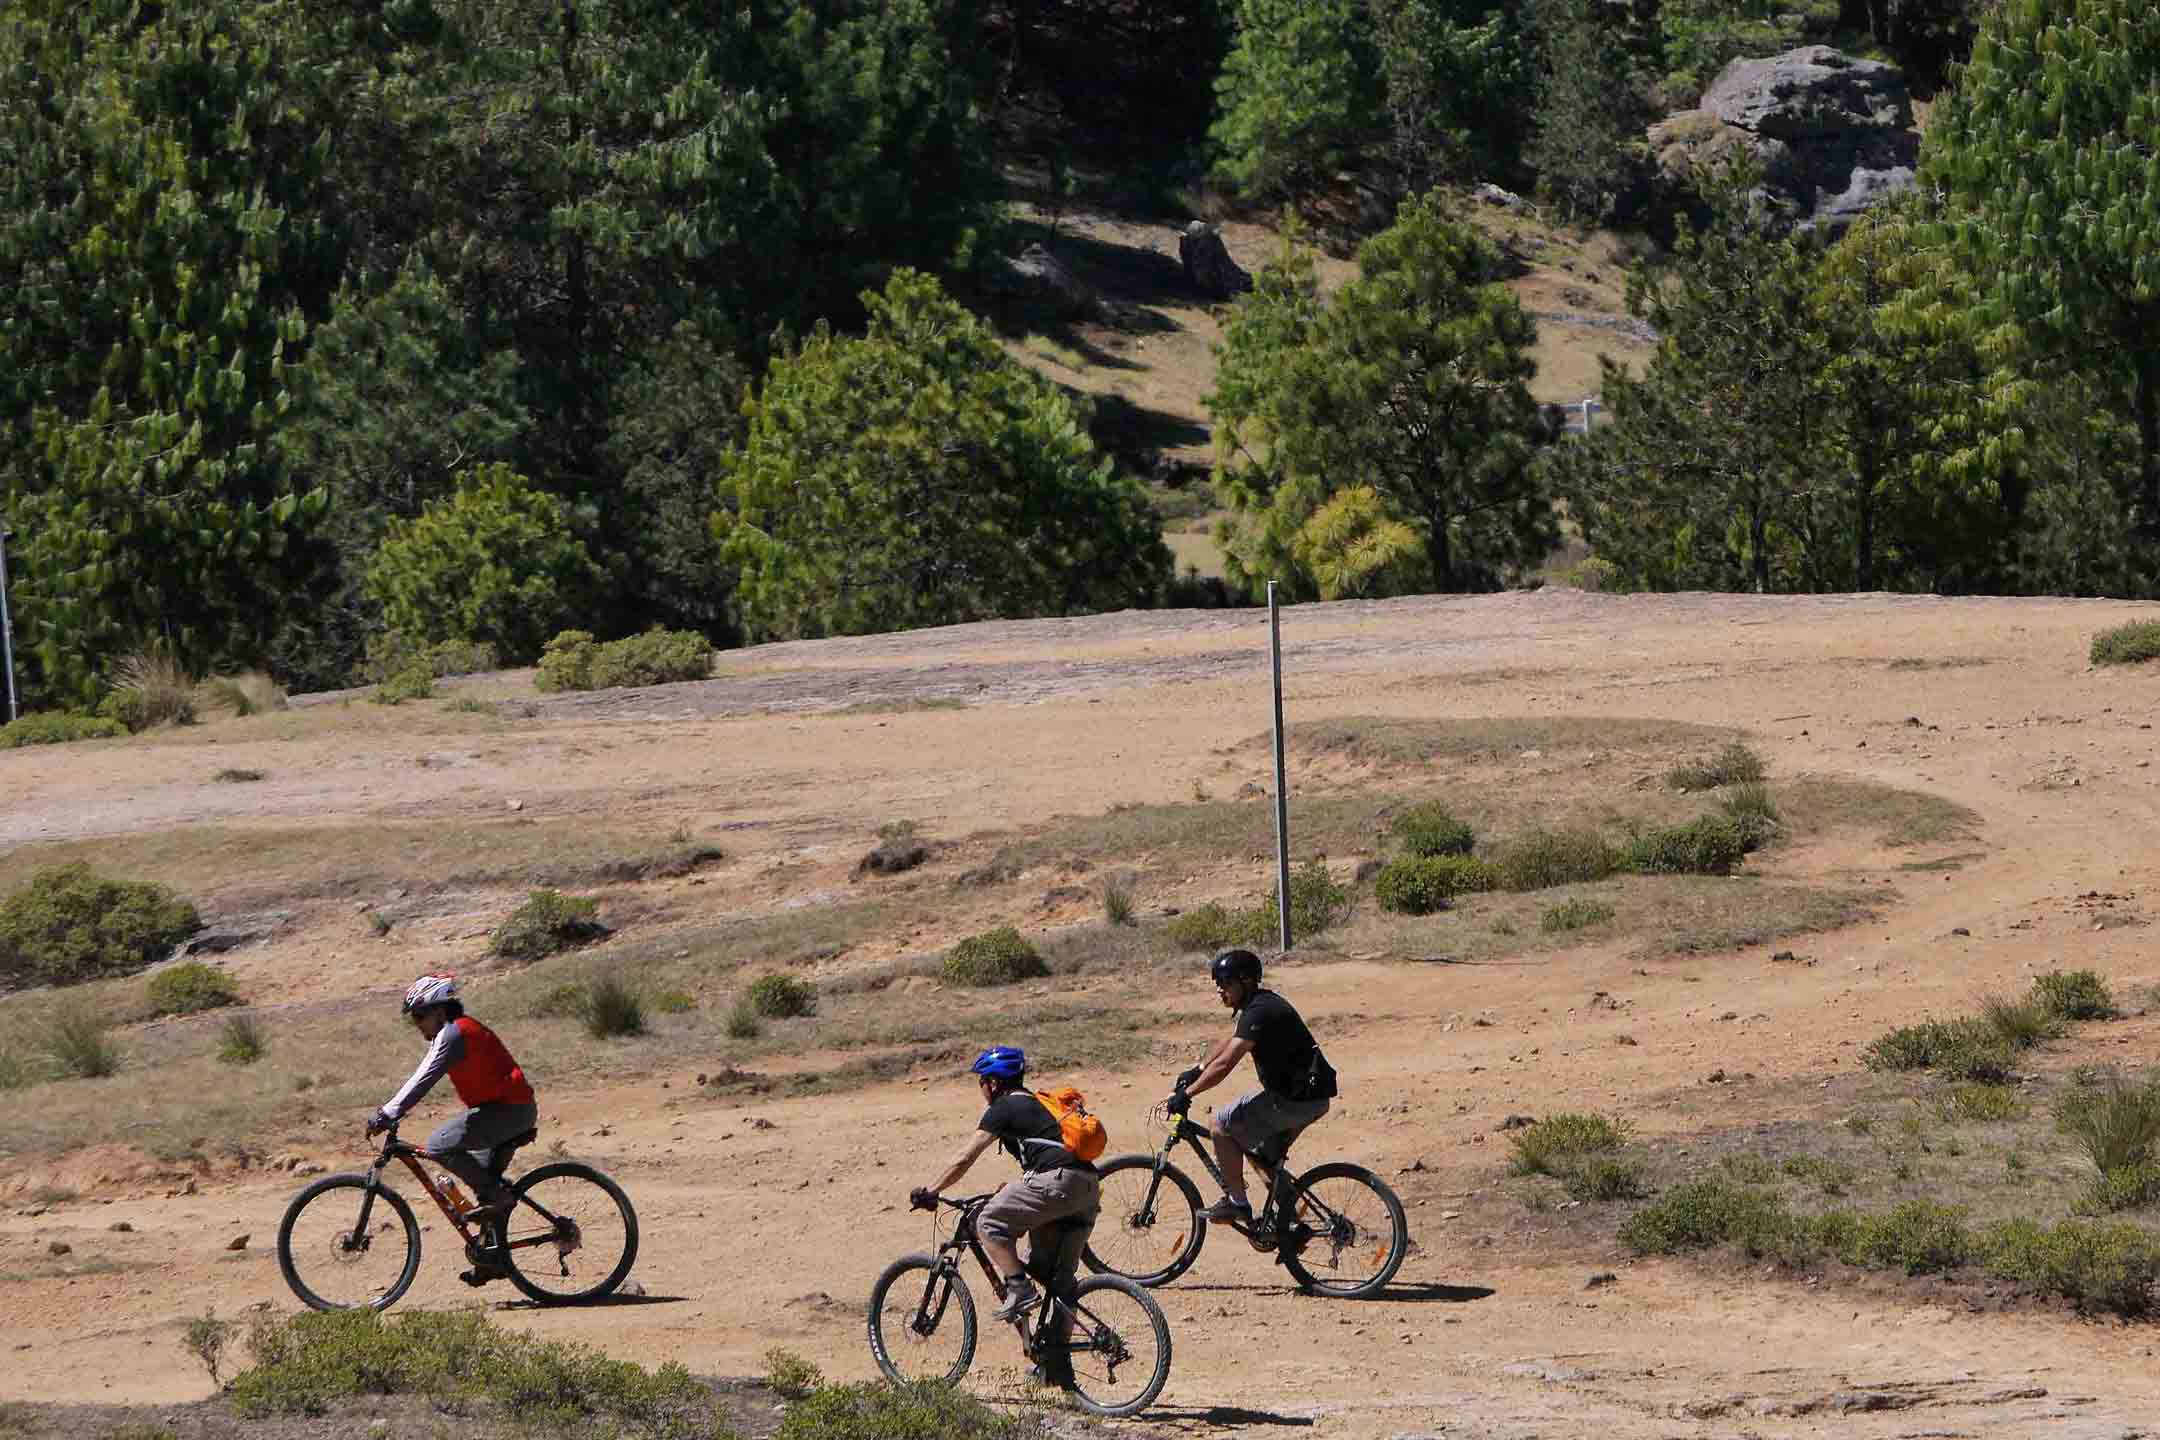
x=1039 y=276
x=1834 y=134
x=1207 y=263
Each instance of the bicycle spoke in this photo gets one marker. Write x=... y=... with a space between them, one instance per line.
x=1346 y=1233
x=339 y=1262
x=1118 y=1353
x=570 y=1235
x=922 y=1325
x=1140 y=1233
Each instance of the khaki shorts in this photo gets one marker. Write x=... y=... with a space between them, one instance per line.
x=1263 y=1123
x=1034 y=1204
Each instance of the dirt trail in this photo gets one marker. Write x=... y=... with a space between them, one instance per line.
x=760 y=1237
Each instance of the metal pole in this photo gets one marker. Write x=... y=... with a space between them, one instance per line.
x=1282 y=791
x=7 y=629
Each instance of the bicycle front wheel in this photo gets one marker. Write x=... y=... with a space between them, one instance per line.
x=348 y=1243
x=1120 y=1346
x=1347 y=1235
x=571 y=1236
x=922 y=1321
x=1150 y=1228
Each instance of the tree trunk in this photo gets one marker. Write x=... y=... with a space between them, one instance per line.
x=1759 y=548
x=2148 y=424
x=1436 y=550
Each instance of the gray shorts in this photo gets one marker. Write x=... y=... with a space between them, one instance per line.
x=479 y=1130
x=1034 y=1204
x=1263 y=1123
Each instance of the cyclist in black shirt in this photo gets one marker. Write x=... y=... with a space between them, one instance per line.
x=1055 y=1188
x=1296 y=1081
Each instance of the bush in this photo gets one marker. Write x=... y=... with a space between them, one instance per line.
x=613 y=1008
x=1549 y=1145
x=57 y=727
x=1832 y=1177
x=2075 y=995
x=1750 y=807
x=247 y=694
x=1576 y=914
x=1430 y=830
x=232 y=775
x=2127 y=644
x=1959 y=1049
x=1117 y=899
x=496 y=563
x=390 y=653
x=1705 y=1213
x=742 y=1022
x=188 y=987
x=1542 y=859
x=2100 y=1265
x=1736 y=764
x=1711 y=845
x=71 y=924
x=780 y=997
x=999 y=957
x=1212 y=927
x=150 y=688
x=2116 y=1122
x=1316 y=901
x=414 y=682
x=789 y=1375
x=674 y=1002
x=565 y=1001
x=1421 y=884
x=547 y=923
x=2021 y=1024
x=924 y=1410
x=573 y=661
x=1604 y=1177
x=1918 y=1237
x=78 y=1043
x=2127 y=1187
x=241 y=1042
x=1983 y=1103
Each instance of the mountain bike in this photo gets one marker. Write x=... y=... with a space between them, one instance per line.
x=922 y=1323
x=349 y=1241
x=1337 y=1228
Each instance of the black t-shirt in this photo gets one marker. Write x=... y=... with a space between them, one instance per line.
x=1029 y=1132
x=1282 y=1046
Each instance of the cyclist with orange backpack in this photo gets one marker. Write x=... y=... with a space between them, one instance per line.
x=1058 y=1194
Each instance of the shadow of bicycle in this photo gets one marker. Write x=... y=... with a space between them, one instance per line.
x=1408 y=1294
x=603 y=1303
x=1229 y=1417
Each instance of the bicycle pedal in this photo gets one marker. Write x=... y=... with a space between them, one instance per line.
x=476 y=1277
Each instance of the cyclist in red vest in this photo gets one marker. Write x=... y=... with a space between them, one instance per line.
x=499 y=1102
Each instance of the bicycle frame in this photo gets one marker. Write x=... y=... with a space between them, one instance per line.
x=1183 y=1129
x=964 y=1241
x=475 y=1239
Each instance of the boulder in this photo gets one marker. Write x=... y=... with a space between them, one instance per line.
x=1207 y=263
x=1834 y=134
x=1036 y=274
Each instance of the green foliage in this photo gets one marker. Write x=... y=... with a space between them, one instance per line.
x=612 y=1008
x=1353 y=546
x=2105 y=1266
x=923 y=1410
x=1117 y=900
x=2022 y=1024
x=1982 y=1103
x=2116 y=1122
x=1577 y=914
x=789 y=1375
x=1412 y=378
x=1214 y=926
x=1586 y=135
x=781 y=997
x=1968 y=1050
x=742 y=1021
x=918 y=476
x=414 y=682
x=1605 y=1177
x=2128 y=644
x=1298 y=92
x=1832 y=1177
x=546 y=923
x=998 y=957
x=57 y=727
x=1918 y=1237
x=1734 y=764
x=1701 y=1214
x=496 y=563
x=1751 y=809
x=392 y=654
x=78 y=1042
x=1459 y=78
x=2075 y=995
x=1429 y=829
x=241 y=1041
x=70 y=924
x=1541 y=859
x=1421 y=884
x=1551 y=1144
x=205 y=1337
x=674 y=1002
x=188 y=987
x=572 y=660
x=1317 y=899
x=2127 y=1187
x=1710 y=845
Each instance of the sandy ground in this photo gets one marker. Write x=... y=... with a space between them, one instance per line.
x=760 y=1237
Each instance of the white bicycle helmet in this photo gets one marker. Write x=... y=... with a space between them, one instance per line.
x=429 y=990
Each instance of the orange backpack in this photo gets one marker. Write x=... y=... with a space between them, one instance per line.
x=1081 y=1132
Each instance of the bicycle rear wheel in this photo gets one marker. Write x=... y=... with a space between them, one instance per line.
x=1150 y=1229
x=1348 y=1235
x=1120 y=1346
x=344 y=1248
x=571 y=1236
x=922 y=1321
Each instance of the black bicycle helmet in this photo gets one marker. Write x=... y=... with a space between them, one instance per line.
x=1235 y=965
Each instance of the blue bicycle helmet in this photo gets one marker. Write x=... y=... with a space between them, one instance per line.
x=1000 y=1062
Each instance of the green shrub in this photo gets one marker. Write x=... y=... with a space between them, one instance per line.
x=1317 y=901
x=674 y=1002
x=247 y=694
x=925 y=1410
x=1958 y=1049
x=2021 y=1024
x=998 y=957
x=2075 y=995
x=1705 y=1213
x=390 y=653
x=2116 y=1122
x=789 y=1375
x=79 y=1043
x=188 y=987
x=1117 y=900
x=57 y=727
x=1604 y=1177
x=743 y=1023
x=1832 y=1177
x=232 y=776
x=1206 y=927
x=414 y=682
x=563 y=1001
x=1430 y=830
x=150 y=688
x=1918 y=1237
x=779 y=997
x=574 y=661
x=2108 y=1266
x=1982 y=1103
x=2127 y=644
x=1750 y=808
x=1576 y=914
x=2127 y=1187
x=547 y=923
x=1908 y=1047
x=241 y=1042
x=1711 y=845
x=1735 y=764
x=18 y=1069
x=1546 y=1146
x=1421 y=884
x=70 y=924
x=1541 y=859
x=613 y=1008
